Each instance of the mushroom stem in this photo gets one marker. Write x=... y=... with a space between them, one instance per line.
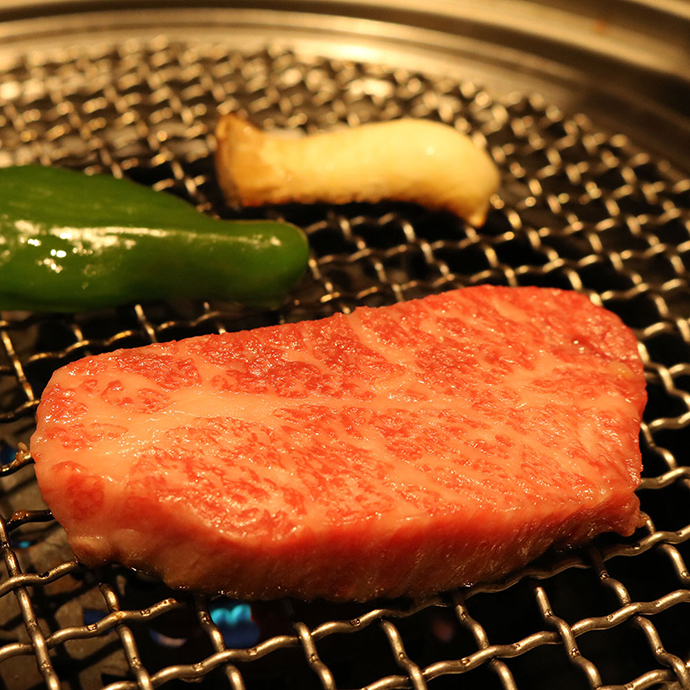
x=406 y=160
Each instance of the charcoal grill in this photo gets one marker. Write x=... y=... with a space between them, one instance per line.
x=595 y=198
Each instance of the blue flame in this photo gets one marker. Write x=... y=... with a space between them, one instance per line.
x=165 y=641
x=234 y=620
x=7 y=454
x=92 y=616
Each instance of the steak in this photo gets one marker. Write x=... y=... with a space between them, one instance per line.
x=399 y=450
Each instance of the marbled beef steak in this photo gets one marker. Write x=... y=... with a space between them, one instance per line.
x=395 y=451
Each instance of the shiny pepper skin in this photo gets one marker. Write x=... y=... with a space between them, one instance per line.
x=73 y=242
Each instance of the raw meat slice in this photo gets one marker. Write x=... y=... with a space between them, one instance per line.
x=395 y=451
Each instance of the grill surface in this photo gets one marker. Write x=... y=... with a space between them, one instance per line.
x=579 y=208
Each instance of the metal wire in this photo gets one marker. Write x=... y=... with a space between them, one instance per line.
x=579 y=208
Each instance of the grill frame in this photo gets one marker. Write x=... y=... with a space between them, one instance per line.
x=49 y=591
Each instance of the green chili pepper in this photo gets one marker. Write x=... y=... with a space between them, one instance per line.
x=74 y=242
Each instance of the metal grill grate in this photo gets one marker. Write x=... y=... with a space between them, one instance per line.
x=579 y=209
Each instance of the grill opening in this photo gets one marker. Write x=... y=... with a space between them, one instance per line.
x=580 y=208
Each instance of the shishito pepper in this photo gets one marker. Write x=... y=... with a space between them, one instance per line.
x=74 y=242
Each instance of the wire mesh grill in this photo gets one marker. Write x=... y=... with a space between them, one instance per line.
x=579 y=208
